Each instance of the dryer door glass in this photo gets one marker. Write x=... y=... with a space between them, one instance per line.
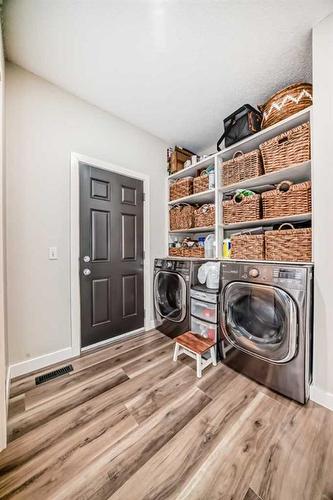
x=261 y=320
x=170 y=296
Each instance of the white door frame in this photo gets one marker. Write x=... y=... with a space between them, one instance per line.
x=77 y=160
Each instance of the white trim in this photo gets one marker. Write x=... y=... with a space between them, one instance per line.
x=30 y=365
x=76 y=159
x=126 y=335
x=321 y=397
x=8 y=386
x=151 y=325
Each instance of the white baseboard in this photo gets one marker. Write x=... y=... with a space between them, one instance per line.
x=321 y=397
x=30 y=365
x=150 y=325
x=8 y=386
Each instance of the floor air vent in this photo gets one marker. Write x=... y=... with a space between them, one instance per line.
x=56 y=373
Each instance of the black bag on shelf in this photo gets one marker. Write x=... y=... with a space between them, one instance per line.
x=240 y=124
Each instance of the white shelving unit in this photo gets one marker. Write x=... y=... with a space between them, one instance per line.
x=295 y=173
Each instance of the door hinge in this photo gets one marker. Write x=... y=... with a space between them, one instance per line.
x=144 y=314
x=143 y=196
x=144 y=255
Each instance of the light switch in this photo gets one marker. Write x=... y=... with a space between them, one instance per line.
x=53 y=253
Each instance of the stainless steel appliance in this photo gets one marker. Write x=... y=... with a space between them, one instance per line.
x=172 y=280
x=266 y=315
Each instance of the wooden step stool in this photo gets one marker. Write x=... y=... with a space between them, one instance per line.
x=194 y=345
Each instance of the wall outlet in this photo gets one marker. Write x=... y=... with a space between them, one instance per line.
x=53 y=253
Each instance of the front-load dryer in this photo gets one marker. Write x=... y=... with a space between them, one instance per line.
x=172 y=280
x=266 y=316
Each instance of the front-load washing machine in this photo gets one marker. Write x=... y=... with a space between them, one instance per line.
x=266 y=316
x=172 y=279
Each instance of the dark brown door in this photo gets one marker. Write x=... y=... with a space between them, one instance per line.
x=111 y=254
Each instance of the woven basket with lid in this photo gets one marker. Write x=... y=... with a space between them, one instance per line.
x=285 y=103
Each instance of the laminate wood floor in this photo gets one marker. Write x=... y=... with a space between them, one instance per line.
x=129 y=423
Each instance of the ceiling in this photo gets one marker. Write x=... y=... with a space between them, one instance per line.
x=175 y=68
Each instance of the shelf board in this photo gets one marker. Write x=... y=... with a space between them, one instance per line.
x=190 y=258
x=202 y=197
x=205 y=229
x=296 y=173
x=268 y=222
x=253 y=141
x=283 y=262
x=190 y=171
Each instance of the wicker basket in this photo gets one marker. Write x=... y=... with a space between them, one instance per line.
x=242 y=166
x=287 y=199
x=289 y=245
x=198 y=251
x=180 y=188
x=249 y=208
x=248 y=246
x=181 y=217
x=204 y=216
x=286 y=102
x=176 y=251
x=289 y=148
x=201 y=183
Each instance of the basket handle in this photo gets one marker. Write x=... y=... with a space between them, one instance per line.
x=282 y=140
x=237 y=153
x=286 y=224
x=203 y=172
x=284 y=186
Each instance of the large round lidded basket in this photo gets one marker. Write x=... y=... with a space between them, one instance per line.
x=286 y=102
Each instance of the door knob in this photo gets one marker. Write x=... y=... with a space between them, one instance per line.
x=86 y=258
x=86 y=272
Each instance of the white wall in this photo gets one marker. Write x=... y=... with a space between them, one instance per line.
x=3 y=339
x=323 y=210
x=44 y=125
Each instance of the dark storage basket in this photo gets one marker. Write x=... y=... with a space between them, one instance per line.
x=181 y=217
x=205 y=215
x=286 y=102
x=242 y=166
x=289 y=245
x=287 y=199
x=249 y=208
x=201 y=183
x=248 y=246
x=289 y=148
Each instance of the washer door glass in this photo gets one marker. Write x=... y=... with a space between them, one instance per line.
x=170 y=296
x=261 y=320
